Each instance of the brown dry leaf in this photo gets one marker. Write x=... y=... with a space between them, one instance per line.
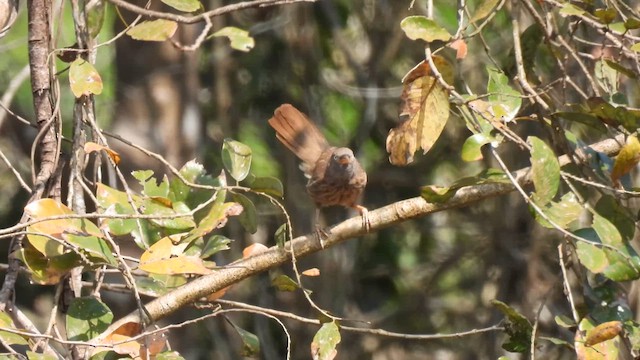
x=311 y=272
x=253 y=249
x=143 y=348
x=424 y=112
x=218 y=294
x=90 y=147
x=460 y=47
x=603 y=332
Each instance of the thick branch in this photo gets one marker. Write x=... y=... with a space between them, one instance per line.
x=305 y=245
x=39 y=48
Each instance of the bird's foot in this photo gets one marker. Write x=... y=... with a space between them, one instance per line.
x=364 y=212
x=322 y=234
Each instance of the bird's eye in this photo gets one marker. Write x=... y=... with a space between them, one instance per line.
x=335 y=157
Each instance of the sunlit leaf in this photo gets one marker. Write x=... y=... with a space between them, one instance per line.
x=603 y=332
x=627 y=159
x=421 y=27
x=545 y=171
x=94 y=248
x=564 y=321
x=563 y=213
x=35 y=356
x=608 y=349
x=606 y=76
x=90 y=147
x=236 y=158
x=153 y=30
x=178 y=190
x=176 y=265
x=240 y=39
x=461 y=48
x=86 y=318
x=169 y=355
x=325 y=342
x=473 y=144
x=184 y=5
x=424 y=111
x=7 y=337
x=505 y=102
x=164 y=248
x=571 y=9
x=84 y=78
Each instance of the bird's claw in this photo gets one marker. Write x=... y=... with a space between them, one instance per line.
x=366 y=222
x=322 y=234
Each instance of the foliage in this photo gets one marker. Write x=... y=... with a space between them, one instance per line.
x=538 y=98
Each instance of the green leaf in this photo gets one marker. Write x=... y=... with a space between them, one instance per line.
x=606 y=76
x=236 y=158
x=7 y=337
x=177 y=219
x=84 y=78
x=439 y=194
x=562 y=213
x=282 y=235
x=35 y=356
x=632 y=24
x=94 y=248
x=570 y=9
x=86 y=318
x=240 y=39
x=617 y=214
x=184 y=5
x=153 y=30
x=483 y=10
x=545 y=171
x=565 y=321
x=606 y=16
x=178 y=190
x=250 y=342
x=323 y=346
x=635 y=47
x=517 y=327
x=215 y=244
x=249 y=217
x=169 y=355
x=95 y=16
x=420 y=27
x=473 y=144
x=268 y=185
x=284 y=283
x=505 y=101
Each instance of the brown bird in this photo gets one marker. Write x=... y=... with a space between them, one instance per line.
x=335 y=175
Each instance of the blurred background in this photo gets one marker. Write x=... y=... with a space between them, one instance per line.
x=341 y=62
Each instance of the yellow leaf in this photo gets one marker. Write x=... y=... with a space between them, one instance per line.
x=176 y=265
x=626 y=160
x=84 y=78
x=311 y=272
x=603 y=332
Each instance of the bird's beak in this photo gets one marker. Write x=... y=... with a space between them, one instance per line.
x=344 y=159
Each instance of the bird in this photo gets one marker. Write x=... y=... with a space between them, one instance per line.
x=335 y=177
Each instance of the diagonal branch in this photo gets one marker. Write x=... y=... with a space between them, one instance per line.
x=386 y=216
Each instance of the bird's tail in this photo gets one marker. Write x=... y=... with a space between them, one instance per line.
x=298 y=134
